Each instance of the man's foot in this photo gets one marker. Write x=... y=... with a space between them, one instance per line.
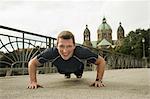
x=67 y=76
x=78 y=75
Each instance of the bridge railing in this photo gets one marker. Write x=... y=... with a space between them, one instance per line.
x=116 y=60
x=17 y=47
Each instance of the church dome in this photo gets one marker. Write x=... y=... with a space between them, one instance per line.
x=104 y=31
x=104 y=25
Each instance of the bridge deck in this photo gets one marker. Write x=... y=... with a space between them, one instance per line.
x=121 y=84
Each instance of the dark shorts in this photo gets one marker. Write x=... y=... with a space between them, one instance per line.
x=77 y=71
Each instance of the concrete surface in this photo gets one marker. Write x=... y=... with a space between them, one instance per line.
x=120 y=84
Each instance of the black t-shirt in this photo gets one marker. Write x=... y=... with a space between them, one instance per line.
x=72 y=64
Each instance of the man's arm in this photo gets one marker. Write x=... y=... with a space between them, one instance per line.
x=100 y=62
x=32 y=67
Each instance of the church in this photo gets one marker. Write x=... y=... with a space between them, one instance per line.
x=104 y=36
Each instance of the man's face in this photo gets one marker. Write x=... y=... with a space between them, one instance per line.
x=65 y=48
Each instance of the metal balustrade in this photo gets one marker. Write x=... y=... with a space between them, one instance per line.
x=18 y=47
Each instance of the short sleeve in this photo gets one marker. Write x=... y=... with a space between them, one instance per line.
x=85 y=53
x=46 y=55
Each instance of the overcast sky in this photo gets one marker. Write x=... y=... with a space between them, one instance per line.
x=49 y=17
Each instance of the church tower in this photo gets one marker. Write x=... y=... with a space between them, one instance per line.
x=120 y=35
x=87 y=38
x=104 y=32
x=120 y=32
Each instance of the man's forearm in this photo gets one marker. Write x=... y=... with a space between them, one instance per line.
x=32 y=71
x=100 y=70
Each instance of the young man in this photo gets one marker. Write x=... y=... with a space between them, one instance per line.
x=67 y=58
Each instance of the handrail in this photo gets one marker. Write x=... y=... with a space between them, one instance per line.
x=22 y=31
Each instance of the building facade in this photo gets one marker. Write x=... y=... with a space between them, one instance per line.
x=104 y=36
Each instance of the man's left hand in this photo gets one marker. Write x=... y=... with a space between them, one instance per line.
x=97 y=84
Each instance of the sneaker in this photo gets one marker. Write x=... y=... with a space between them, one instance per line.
x=67 y=76
x=79 y=75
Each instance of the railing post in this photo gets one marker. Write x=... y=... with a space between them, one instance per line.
x=49 y=43
x=23 y=53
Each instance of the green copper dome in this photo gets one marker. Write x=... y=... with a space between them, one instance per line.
x=104 y=25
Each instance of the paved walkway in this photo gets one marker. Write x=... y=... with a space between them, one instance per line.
x=120 y=84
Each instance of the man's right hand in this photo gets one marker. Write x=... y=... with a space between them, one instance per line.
x=32 y=65
x=34 y=85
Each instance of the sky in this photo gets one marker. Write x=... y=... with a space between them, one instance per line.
x=50 y=17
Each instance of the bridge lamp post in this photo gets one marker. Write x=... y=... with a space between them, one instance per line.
x=144 y=58
x=143 y=41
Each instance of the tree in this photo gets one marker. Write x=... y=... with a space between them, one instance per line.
x=133 y=45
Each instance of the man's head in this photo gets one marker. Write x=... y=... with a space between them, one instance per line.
x=66 y=44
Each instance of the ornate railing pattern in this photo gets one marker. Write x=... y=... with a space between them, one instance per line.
x=18 y=47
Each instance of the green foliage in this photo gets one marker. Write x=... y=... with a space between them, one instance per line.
x=133 y=45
